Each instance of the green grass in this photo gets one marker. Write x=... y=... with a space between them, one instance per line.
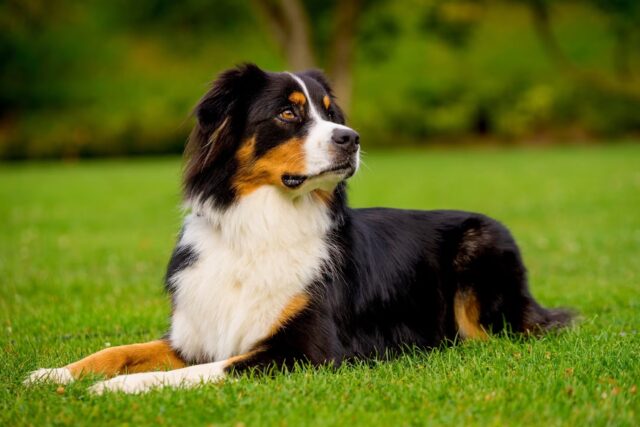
x=83 y=247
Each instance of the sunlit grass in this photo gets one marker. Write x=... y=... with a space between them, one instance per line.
x=83 y=249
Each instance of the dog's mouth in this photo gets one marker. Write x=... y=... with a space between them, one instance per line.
x=295 y=181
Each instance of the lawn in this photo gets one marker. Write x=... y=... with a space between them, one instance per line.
x=83 y=248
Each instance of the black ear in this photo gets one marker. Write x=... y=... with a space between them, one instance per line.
x=220 y=116
x=229 y=91
x=320 y=77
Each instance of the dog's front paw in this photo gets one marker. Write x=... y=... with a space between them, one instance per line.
x=54 y=375
x=130 y=384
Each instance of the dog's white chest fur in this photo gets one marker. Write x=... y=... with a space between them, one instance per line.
x=252 y=259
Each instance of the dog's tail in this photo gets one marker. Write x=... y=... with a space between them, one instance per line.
x=538 y=319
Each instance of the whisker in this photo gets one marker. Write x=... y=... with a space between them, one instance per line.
x=362 y=162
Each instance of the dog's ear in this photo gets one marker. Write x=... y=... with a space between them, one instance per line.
x=228 y=92
x=220 y=115
x=319 y=77
x=323 y=81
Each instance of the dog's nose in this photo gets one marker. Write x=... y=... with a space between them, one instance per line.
x=346 y=138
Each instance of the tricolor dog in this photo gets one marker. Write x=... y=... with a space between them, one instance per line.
x=273 y=267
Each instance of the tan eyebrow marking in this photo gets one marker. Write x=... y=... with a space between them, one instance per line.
x=297 y=98
x=326 y=101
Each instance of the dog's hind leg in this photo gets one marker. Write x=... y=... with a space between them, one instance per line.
x=492 y=293
x=112 y=361
x=467 y=315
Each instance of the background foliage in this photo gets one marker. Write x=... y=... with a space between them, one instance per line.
x=98 y=78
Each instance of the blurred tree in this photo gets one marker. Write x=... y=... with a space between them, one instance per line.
x=292 y=23
x=289 y=25
x=625 y=23
x=96 y=77
x=187 y=16
x=624 y=17
x=452 y=21
x=25 y=55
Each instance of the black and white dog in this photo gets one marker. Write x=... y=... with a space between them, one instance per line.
x=273 y=267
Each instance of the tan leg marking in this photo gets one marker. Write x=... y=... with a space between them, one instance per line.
x=467 y=313
x=132 y=358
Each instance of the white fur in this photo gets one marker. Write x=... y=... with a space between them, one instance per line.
x=253 y=258
x=318 y=146
x=54 y=375
x=189 y=377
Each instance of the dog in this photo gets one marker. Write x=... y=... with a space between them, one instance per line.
x=272 y=266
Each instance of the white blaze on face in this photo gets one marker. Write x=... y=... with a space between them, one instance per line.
x=318 y=146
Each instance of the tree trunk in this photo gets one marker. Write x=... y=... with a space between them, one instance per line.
x=299 y=50
x=542 y=25
x=288 y=23
x=342 y=51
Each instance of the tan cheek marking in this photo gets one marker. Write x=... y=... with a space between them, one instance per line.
x=286 y=158
x=292 y=309
x=467 y=313
x=326 y=101
x=297 y=98
x=128 y=358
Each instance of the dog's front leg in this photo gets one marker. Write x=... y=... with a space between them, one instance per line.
x=143 y=357
x=188 y=377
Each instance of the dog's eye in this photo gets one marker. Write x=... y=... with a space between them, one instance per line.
x=331 y=114
x=288 y=115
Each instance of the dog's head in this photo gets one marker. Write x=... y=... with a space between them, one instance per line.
x=256 y=128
